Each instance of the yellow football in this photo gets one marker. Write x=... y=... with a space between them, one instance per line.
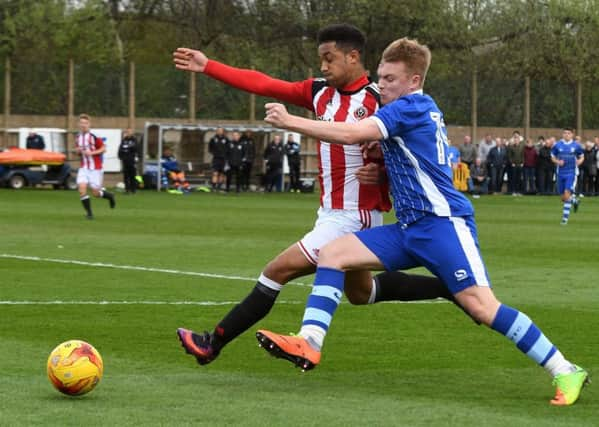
x=75 y=367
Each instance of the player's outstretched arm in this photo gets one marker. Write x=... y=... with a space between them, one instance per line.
x=333 y=132
x=297 y=93
x=190 y=60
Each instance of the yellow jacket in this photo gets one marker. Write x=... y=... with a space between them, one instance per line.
x=461 y=174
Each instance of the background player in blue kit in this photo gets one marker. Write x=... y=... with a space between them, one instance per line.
x=435 y=225
x=567 y=154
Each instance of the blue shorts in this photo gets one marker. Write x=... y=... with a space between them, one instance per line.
x=446 y=246
x=566 y=183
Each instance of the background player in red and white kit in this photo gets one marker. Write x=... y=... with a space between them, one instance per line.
x=344 y=94
x=91 y=171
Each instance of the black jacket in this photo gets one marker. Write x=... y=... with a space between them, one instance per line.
x=292 y=150
x=235 y=153
x=35 y=141
x=218 y=146
x=273 y=154
x=544 y=158
x=497 y=157
x=249 y=149
x=128 y=149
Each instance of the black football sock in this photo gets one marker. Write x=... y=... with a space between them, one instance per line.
x=398 y=286
x=87 y=205
x=109 y=196
x=244 y=315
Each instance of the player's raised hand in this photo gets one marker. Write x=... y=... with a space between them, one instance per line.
x=276 y=114
x=189 y=59
x=372 y=150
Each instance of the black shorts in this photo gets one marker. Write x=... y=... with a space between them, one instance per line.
x=218 y=165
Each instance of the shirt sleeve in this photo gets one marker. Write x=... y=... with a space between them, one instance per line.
x=390 y=119
x=297 y=93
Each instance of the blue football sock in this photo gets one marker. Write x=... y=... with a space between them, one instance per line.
x=529 y=339
x=322 y=303
x=566 y=210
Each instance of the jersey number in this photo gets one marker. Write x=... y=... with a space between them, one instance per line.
x=441 y=138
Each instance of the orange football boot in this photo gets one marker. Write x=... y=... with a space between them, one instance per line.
x=291 y=347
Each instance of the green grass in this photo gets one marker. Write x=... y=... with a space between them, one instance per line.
x=388 y=364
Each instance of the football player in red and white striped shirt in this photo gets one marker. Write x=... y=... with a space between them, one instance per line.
x=343 y=94
x=91 y=171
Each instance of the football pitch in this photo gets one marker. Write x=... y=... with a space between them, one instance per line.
x=125 y=281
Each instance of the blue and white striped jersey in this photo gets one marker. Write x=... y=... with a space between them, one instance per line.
x=568 y=152
x=453 y=154
x=417 y=160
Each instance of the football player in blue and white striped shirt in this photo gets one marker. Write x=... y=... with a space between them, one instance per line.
x=567 y=154
x=435 y=225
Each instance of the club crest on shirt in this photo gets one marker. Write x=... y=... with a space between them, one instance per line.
x=360 y=113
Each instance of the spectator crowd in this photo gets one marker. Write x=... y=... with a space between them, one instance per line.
x=517 y=166
x=495 y=165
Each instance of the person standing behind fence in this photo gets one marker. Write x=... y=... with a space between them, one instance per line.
x=515 y=155
x=597 y=165
x=292 y=151
x=128 y=156
x=468 y=151
x=273 y=155
x=217 y=146
x=496 y=161
x=589 y=167
x=545 y=168
x=91 y=172
x=484 y=148
x=234 y=158
x=35 y=141
x=249 y=154
x=530 y=167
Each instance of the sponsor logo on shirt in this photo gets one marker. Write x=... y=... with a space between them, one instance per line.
x=460 y=274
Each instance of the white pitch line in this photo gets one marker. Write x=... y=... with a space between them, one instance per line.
x=204 y=303
x=198 y=303
x=137 y=268
x=159 y=270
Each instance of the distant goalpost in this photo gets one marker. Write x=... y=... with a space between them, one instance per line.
x=262 y=130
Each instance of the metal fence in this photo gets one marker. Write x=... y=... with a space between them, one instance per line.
x=164 y=92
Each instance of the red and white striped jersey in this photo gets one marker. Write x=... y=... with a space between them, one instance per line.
x=90 y=142
x=337 y=164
